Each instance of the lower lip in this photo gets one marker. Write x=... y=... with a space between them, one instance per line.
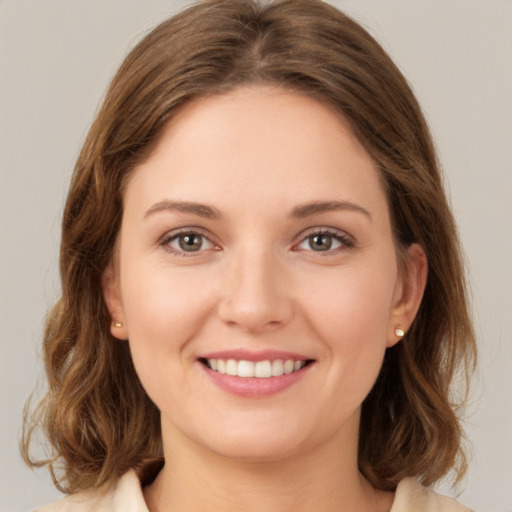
x=254 y=387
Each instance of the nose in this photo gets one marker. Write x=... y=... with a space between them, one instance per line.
x=256 y=297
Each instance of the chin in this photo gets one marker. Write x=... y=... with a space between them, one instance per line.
x=259 y=441
x=257 y=450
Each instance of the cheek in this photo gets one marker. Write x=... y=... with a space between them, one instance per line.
x=352 y=303
x=163 y=311
x=349 y=313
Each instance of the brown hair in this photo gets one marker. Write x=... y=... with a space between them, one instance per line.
x=96 y=414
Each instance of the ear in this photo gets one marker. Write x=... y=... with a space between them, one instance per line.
x=408 y=293
x=112 y=296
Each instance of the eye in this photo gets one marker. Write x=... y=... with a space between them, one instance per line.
x=186 y=242
x=324 y=241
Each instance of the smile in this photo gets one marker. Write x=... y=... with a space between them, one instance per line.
x=255 y=375
x=258 y=369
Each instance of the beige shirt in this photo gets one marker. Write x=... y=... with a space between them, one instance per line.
x=127 y=496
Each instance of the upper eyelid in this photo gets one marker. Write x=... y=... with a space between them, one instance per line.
x=323 y=230
x=172 y=234
x=166 y=240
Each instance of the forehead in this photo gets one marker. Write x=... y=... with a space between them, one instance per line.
x=256 y=142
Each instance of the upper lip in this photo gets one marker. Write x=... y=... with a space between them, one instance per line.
x=255 y=356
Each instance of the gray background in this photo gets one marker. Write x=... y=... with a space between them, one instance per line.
x=56 y=58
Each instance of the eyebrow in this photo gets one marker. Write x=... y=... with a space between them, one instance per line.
x=318 y=207
x=300 y=212
x=201 y=210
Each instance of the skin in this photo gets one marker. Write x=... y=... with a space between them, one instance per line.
x=257 y=283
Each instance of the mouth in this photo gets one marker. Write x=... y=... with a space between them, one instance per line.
x=264 y=369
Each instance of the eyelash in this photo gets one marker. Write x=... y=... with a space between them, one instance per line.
x=170 y=237
x=339 y=236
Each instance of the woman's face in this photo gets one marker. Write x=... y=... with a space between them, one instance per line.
x=256 y=241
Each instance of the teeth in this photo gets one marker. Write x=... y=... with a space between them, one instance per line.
x=260 y=369
x=231 y=367
x=288 y=366
x=277 y=368
x=245 y=368
x=263 y=369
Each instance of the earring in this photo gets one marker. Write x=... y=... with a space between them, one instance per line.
x=118 y=324
x=399 y=332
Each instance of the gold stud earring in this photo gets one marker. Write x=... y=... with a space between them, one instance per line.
x=118 y=324
x=399 y=332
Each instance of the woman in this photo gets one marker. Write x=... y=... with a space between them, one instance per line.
x=261 y=279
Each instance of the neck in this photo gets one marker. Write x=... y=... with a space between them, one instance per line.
x=324 y=478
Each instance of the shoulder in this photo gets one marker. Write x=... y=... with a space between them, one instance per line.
x=125 y=495
x=411 y=496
